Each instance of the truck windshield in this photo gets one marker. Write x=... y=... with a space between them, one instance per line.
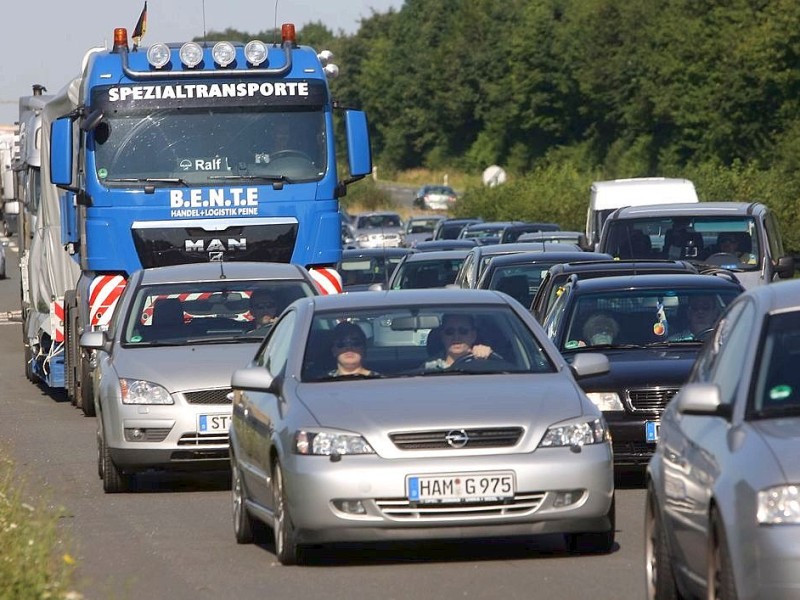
x=198 y=145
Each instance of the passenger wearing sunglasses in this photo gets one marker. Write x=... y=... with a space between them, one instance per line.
x=263 y=307
x=349 y=346
x=458 y=335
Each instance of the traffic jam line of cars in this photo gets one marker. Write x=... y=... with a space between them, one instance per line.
x=363 y=416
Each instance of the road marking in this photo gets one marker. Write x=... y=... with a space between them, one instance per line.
x=11 y=317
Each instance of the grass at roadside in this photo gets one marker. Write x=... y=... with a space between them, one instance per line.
x=34 y=560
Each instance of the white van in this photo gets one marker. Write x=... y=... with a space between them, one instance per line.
x=607 y=196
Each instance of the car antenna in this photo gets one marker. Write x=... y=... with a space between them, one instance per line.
x=222 y=269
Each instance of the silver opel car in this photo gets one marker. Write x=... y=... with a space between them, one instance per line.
x=413 y=415
x=723 y=493
x=163 y=368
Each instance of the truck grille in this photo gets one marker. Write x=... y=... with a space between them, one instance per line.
x=500 y=437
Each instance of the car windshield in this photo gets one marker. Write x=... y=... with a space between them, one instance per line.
x=426 y=273
x=777 y=390
x=421 y=341
x=378 y=221
x=729 y=242
x=421 y=225
x=519 y=281
x=366 y=270
x=205 y=312
x=194 y=145
x=633 y=317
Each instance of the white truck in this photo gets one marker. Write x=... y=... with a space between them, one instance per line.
x=8 y=206
x=607 y=196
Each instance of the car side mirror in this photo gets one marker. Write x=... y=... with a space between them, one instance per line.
x=785 y=267
x=255 y=379
x=95 y=340
x=586 y=364
x=702 y=399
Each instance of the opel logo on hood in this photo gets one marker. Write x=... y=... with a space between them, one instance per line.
x=457 y=438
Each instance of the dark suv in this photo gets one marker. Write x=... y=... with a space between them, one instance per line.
x=555 y=278
x=651 y=328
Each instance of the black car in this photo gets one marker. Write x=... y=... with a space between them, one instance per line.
x=363 y=267
x=558 y=275
x=511 y=233
x=651 y=328
x=421 y=270
x=448 y=229
x=441 y=245
x=520 y=274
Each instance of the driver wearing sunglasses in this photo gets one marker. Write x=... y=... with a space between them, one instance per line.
x=263 y=307
x=458 y=334
x=349 y=346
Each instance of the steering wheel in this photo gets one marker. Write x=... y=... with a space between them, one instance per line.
x=722 y=258
x=470 y=358
x=703 y=334
x=290 y=154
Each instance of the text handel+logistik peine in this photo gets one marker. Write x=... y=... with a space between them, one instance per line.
x=208 y=90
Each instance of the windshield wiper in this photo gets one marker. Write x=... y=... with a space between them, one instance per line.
x=270 y=178
x=170 y=180
x=228 y=339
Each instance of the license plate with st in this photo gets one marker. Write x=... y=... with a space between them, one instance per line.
x=651 y=431
x=461 y=487
x=213 y=423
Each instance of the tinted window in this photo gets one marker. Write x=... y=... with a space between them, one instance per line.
x=777 y=388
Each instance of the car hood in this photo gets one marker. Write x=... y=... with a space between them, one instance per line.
x=179 y=368
x=781 y=436
x=378 y=407
x=643 y=368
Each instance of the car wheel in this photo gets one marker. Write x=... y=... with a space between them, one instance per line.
x=114 y=480
x=595 y=542
x=85 y=386
x=243 y=525
x=658 y=566
x=721 y=585
x=286 y=549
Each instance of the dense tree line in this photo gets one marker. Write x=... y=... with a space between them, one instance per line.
x=567 y=91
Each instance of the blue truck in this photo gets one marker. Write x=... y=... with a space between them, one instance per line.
x=181 y=153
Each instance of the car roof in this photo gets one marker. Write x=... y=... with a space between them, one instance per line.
x=612 y=264
x=686 y=281
x=436 y=255
x=209 y=271
x=539 y=256
x=389 y=299
x=465 y=244
x=545 y=226
x=777 y=297
x=704 y=209
x=370 y=252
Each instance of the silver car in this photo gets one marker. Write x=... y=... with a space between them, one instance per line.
x=163 y=368
x=723 y=491
x=376 y=230
x=500 y=442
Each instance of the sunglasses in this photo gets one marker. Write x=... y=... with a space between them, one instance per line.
x=460 y=330
x=349 y=343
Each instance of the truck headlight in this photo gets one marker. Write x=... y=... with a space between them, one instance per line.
x=779 y=505
x=325 y=443
x=576 y=434
x=606 y=401
x=138 y=391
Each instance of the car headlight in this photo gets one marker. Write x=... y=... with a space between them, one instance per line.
x=138 y=391
x=606 y=401
x=325 y=443
x=778 y=505
x=576 y=434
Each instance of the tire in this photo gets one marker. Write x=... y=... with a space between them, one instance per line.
x=243 y=524
x=114 y=481
x=70 y=329
x=660 y=578
x=286 y=549
x=595 y=542
x=85 y=386
x=28 y=354
x=720 y=581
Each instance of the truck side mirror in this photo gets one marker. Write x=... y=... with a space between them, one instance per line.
x=359 y=152
x=61 y=152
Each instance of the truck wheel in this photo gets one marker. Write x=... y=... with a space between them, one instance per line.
x=86 y=386
x=29 y=374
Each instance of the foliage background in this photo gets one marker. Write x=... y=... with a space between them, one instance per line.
x=564 y=92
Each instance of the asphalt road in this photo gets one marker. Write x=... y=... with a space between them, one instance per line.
x=173 y=538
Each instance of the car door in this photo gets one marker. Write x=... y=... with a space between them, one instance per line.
x=696 y=446
x=259 y=412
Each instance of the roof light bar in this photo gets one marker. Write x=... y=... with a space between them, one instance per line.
x=224 y=53
x=191 y=54
x=255 y=52
x=158 y=55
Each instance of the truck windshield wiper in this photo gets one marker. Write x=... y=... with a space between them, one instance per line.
x=171 y=180
x=270 y=178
